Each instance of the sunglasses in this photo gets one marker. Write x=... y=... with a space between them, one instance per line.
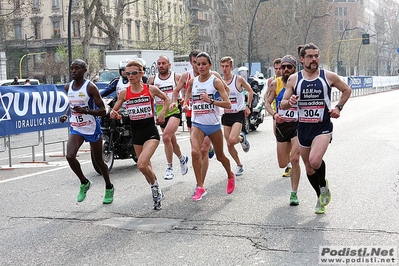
x=287 y=66
x=134 y=73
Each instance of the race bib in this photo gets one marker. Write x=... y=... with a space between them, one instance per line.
x=290 y=115
x=311 y=111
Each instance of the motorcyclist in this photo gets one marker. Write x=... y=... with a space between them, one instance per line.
x=118 y=83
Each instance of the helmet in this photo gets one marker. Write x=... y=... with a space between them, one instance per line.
x=122 y=65
x=142 y=62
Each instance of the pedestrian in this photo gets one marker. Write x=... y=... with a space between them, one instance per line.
x=286 y=125
x=117 y=84
x=85 y=126
x=277 y=73
x=166 y=81
x=233 y=118
x=310 y=89
x=139 y=101
x=15 y=81
x=208 y=95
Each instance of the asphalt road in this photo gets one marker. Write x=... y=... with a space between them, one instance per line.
x=42 y=224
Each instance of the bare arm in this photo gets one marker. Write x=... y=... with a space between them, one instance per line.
x=336 y=82
x=118 y=104
x=225 y=103
x=270 y=98
x=224 y=83
x=151 y=80
x=155 y=91
x=287 y=100
x=180 y=85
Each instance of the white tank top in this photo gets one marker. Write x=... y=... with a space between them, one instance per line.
x=165 y=85
x=82 y=123
x=202 y=112
x=236 y=97
x=121 y=86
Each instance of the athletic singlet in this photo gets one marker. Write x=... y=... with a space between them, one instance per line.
x=290 y=115
x=166 y=86
x=279 y=87
x=202 y=112
x=236 y=97
x=82 y=123
x=121 y=85
x=314 y=99
x=140 y=107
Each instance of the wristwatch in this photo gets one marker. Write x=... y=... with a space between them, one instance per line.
x=340 y=107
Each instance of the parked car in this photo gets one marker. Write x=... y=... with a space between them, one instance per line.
x=8 y=82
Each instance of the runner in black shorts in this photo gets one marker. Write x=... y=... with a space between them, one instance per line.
x=233 y=118
x=310 y=91
x=286 y=127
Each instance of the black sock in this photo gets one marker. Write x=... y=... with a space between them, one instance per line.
x=84 y=182
x=314 y=181
x=321 y=173
x=109 y=186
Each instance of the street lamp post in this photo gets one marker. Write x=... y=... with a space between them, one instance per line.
x=26 y=53
x=339 y=44
x=250 y=37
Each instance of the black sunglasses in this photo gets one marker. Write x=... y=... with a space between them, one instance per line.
x=134 y=73
x=287 y=66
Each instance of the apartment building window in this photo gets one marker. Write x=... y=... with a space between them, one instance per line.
x=17 y=4
x=137 y=22
x=36 y=30
x=341 y=24
x=18 y=31
x=169 y=10
x=129 y=29
x=137 y=8
x=36 y=5
x=56 y=3
x=100 y=32
x=56 y=29
x=76 y=28
x=341 y=11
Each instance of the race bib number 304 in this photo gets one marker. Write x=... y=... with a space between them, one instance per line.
x=310 y=111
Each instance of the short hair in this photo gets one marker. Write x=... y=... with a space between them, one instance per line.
x=302 y=48
x=228 y=59
x=135 y=63
x=203 y=54
x=194 y=53
x=277 y=61
x=80 y=63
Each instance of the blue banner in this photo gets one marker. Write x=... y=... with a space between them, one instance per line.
x=31 y=108
x=359 y=82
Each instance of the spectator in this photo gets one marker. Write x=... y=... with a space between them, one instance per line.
x=15 y=82
x=27 y=82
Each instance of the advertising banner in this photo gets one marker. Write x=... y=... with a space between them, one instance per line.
x=31 y=108
x=360 y=82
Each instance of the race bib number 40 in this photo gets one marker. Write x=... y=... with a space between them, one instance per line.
x=311 y=111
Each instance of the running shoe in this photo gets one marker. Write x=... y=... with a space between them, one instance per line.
x=157 y=196
x=239 y=170
x=211 y=152
x=287 y=172
x=319 y=209
x=183 y=166
x=169 y=175
x=245 y=144
x=195 y=190
x=109 y=195
x=231 y=184
x=325 y=195
x=83 y=190
x=199 y=193
x=294 y=199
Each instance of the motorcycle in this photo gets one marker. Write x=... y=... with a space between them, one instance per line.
x=117 y=140
x=256 y=116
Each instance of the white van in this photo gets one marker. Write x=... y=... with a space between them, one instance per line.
x=8 y=82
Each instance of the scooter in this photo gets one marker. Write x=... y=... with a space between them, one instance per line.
x=117 y=140
x=256 y=116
